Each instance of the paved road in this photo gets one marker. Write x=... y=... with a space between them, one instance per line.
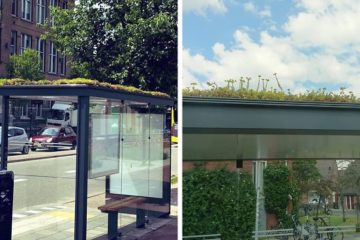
x=51 y=180
x=48 y=181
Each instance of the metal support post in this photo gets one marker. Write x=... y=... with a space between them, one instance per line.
x=140 y=218
x=82 y=157
x=113 y=225
x=4 y=132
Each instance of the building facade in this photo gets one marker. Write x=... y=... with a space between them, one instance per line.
x=19 y=22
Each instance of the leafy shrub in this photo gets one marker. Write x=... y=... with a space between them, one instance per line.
x=218 y=201
x=26 y=65
x=278 y=190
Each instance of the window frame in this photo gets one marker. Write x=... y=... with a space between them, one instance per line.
x=62 y=61
x=13 y=43
x=24 y=38
x=14 y=8
x=53 y=57
x=26 y=10
x=40 y=11
x=41 y=47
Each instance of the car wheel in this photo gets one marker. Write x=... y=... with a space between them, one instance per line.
x=73 y=145
x=54 y=149
x=25 y=150
x=33 y=149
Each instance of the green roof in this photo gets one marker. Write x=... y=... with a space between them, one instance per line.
x=80 y=81
x=320 y=95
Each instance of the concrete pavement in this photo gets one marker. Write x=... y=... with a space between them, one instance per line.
x=44 y=200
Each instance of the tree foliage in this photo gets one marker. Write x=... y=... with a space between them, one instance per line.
x=25 y=66
x=131 y=42
x=218 y=201
x=306 y=174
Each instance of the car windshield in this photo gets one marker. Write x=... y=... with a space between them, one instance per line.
x=50 y=131
x=57 y=114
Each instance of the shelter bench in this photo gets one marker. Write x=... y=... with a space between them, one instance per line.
x=112 y=207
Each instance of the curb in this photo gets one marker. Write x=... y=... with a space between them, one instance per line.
x=40 y=158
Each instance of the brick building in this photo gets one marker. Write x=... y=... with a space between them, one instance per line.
x=19 y=30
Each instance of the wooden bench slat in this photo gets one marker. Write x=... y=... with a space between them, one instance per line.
x=116 y=205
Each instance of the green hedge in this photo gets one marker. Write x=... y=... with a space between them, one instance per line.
x=278 y=190
x=218 y=201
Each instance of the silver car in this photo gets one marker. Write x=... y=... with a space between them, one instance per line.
x=18 y=140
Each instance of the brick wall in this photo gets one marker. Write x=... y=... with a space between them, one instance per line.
x=10 y=22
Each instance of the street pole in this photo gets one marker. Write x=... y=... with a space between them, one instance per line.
x=257 y=220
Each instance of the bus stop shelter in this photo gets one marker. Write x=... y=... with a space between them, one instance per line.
x=231 y=130
x=117 y=130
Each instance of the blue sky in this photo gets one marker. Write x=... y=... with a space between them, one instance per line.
x=309 y=44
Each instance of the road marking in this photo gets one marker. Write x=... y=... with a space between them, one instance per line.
x=33 y=212
x=71 y=171
x=15 y=215
x=48 y=208
x=20 y=180
x=61 y=207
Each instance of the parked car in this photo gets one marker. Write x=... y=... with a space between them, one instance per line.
x=53 y=138
x=18 y=140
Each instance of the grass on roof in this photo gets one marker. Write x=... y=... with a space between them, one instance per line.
x=80 y=81
x=240 y=89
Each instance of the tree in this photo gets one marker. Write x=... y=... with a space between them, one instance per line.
x=25 y=66
x=349 y=182
x=306 y=174
x=130 y=42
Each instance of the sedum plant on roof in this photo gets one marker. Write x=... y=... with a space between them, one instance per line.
x=241 y=89
x=79 y=81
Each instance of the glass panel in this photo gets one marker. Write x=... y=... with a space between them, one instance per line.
x=269 y=146
x=135 y=152
x=159 y=151
x=44 y=192
x=104 y=138
x=104 y=149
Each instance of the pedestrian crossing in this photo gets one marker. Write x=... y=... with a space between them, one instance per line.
x=29 y=213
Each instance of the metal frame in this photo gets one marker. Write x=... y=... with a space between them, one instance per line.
x=230 y=115
x=82 y=156
x=4 y=132
x=83 y=94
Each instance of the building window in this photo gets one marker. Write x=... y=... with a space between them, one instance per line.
x=39 y=111
x=62 y=61
x=65 y=5
x=40 y=47
x=40 y=11
x=13 y=43
x=52 y=58
x=26 y=42
x=24 y=112
x=54 y=3
x=26 y=9
x=14 y=7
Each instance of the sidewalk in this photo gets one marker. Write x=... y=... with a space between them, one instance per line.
x=52 y=222
x=156 y=229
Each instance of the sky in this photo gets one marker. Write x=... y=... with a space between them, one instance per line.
x=309 y=44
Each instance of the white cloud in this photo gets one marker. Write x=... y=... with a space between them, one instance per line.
x=329 y=24
x=200 y=7
x=321 y=44
x=250 y=7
